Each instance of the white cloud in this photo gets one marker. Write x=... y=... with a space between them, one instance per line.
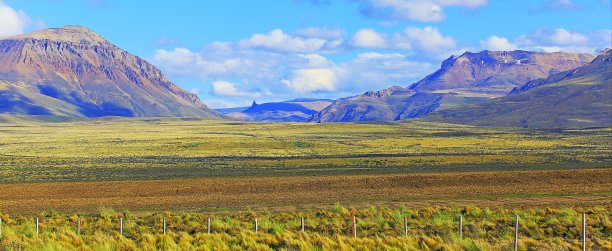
x=428 y=39
x=235 y=71
x=310 y=80
x=373 y=71
x=496 y=43
x=420 y=10
x=553 y=40
x=277 y=40
x=315 y=60
x=565 y=37
x=227 y=89
x=368 y=38
x=14 y=22
x=182 y=61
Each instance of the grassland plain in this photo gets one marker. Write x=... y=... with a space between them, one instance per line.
x=129 y=149
x=279 y=172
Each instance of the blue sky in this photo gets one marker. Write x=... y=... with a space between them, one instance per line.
x=232 y=52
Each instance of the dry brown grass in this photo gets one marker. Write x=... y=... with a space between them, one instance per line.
x=509 y=188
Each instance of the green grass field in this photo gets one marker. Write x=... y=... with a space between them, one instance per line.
x=126 y=149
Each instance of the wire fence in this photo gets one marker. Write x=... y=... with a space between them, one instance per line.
x=84 y=225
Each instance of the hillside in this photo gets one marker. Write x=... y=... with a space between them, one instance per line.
x=72 y=71
x=468 y=79
x=576 y=98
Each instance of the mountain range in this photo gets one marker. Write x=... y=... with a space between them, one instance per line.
x=72 y=71
x=468 y=79
x=576 y=98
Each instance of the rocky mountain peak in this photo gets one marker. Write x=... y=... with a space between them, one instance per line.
x=385 y=92
x=498 y=69
x=70 y=33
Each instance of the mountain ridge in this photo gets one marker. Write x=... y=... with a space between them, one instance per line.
x=577 y=98
x=73 y=71
x=467 y=79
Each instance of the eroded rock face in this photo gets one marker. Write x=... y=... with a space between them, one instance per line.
x=503 y=69
x=91 y=76
x=471 y=78
x=576 y=98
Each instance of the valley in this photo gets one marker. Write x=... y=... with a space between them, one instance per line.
x=151 y=163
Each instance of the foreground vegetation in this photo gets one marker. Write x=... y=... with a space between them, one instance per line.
x=381 y=228
x=285 y=171
x=127 y=149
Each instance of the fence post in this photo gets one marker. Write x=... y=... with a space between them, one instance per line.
x=79 y=226
x=516 y=230
x=406 y=225
x=302 y=224
x=354 y=225
x=36 y=225
x=121 y=226
x=256 y=225
x=460 y=226
x=164 y=224
x=583 y=231
x=209 y=225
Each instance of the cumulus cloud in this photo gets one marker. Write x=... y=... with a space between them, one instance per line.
x=496 y=43
x=281 y=76
x=278 y=40
x=565 y=37
x=228 y=89
x=419 y=10
x=368 y=38
x=428 y=39
x=554 y=40
x=14 y=22
x=371 y=68
x=182 y=61
x=310 y=80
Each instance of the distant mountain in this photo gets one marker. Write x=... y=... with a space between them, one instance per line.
x=577 y=98
x=468 y=79
x=297 y=110
x=72 y=71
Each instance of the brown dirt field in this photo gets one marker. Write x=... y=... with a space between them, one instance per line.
x=510 y=188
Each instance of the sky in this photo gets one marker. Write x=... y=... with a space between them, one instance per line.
x=232 y=52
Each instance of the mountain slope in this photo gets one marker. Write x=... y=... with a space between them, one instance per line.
x=72 y=71
x=468 y=79
x=576 y=98
x=297 y=110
